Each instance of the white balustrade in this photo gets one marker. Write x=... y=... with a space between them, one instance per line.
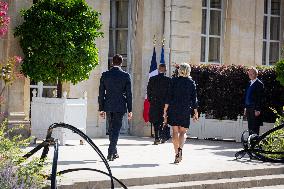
x=222 y=129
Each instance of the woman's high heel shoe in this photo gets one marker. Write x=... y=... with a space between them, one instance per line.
x=178 y=156
x=180 y=153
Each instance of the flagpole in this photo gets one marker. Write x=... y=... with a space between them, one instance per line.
x=151 y=125
x=170 y=40
x=163 y=41
x=154 y=40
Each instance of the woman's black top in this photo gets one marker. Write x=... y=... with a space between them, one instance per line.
x=182 y=99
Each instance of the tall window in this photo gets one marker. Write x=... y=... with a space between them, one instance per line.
x=118 y=30
x=211 y=31
x=271 y=32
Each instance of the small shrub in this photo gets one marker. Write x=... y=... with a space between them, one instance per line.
x=274 y=142
x=279 y=67
x=15 y=172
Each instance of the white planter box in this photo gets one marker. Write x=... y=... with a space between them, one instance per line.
x=196 y=128
x=46 y=111
x=222 y=129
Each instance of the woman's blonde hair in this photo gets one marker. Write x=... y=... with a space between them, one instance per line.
x=184 y=70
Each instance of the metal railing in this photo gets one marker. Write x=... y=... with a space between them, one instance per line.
x=49 y=141
x=255 y=146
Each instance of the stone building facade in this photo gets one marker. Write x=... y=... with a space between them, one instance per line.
x=241 y=32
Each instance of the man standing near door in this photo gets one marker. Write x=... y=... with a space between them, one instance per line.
x=157 y=92
x=115 y=99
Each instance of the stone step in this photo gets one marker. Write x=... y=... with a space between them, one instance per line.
x=233 y=183
x=183 y=178
x=268 y=187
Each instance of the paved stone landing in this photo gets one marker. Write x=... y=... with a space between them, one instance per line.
x=205 y=164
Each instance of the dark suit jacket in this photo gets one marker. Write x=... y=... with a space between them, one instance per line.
x=257 y=99
x=115 y=91
x=157 y=91
x=257 y=94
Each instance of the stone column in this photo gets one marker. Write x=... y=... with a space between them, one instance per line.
x=243 y=32
x=137 y=122
x=18 y=95
x=195 y=31
x=167 y=34
x=150 y=19
x=181 y=28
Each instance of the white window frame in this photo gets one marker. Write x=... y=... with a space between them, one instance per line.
x=207 y=35
x=268 y=40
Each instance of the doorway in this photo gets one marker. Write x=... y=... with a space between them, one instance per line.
x=118 y=40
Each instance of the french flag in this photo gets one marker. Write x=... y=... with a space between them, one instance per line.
x=153 y=71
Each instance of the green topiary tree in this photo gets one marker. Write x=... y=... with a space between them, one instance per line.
x=58 y=40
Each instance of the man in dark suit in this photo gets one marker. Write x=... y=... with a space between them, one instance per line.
x=115 y=99
x=253 y=102
x=157 y=91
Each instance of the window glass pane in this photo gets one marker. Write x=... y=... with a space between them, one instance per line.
x=214 y=50
x=203 y=29
x=274 y=28
x=204 y=3
x=264 y=53
x=111 y=45
x=275 y=7
x=215 y=3
x=265 y=6
x=264 y=27
x=124 y=63
x=122 y=14
x=109 y=62
x=121 y=42
x=111 y=10
x=273 y=53
x=48 y=93
x=203 y=45
x=215 y=22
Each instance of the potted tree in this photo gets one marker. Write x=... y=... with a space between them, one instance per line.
x=58 y=41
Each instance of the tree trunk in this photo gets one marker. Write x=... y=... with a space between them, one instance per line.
x=59 y=89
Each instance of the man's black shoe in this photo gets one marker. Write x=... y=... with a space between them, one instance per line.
x=110 y=157
x=115 y=156
x=156 y=142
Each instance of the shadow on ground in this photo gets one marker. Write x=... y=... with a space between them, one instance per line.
x=135 y=166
